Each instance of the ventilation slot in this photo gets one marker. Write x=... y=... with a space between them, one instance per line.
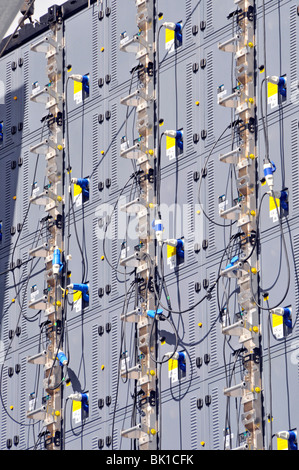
x=115 y=255
x=114 y=149
x=114 y=360
x=26 y=128
x=213 y=327
x=114 y=43
x=191 y=292
x=193 y=423
x=293 y=45
x=189 y=107
x=25 y=194
x=209 y=18
x=95 y=371
x=23 y=402
x=8 y=198
x=188 y=27
x=8 y=102
x=215 y=419
x=95 y=154
x=210 y=98
x=211 y=207
x=95 y=261
x=24 y=299
x=296 y=260
x=191 y=234
x=4 y=416
x=295 y=166
x=95 y=47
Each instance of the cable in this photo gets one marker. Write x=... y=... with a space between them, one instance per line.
x=21 y=22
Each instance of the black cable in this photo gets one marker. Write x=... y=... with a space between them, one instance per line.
x=20 y=24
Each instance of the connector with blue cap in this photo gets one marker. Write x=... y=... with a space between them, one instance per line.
x=179 y=356
x=178 y=243
x=269 y=169
x=83 y=398
x=84 y=185
x=57 y=264
x=290 y=436
x=153 y=313
x=177 y=28
x=1 y=131
x=158 y=227
x=281 y=82
x=84 y=79
x=177 y=135
x=62 y=358
x=84 y=288
x=233 y=261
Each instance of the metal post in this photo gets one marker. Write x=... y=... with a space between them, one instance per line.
x=246 y=269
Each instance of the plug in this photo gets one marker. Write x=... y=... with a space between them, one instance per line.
x=269 y=169
x=281 y=82
x=290 y=436
x=84 y=79
x=62 y=358
x=178 y=243
x=84 y=288
x=57 y=265
x=84 y=185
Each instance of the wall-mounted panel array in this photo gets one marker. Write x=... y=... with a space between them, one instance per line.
x=149 y=243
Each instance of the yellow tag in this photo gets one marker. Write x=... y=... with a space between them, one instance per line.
x=170 y=142
x=77 y=295
x=169 y=35
x=272 y=89
x=277 y=320
x=77 y=87
x=77 y=190
x=171 y=251
x=272 y=203
x=76 y=405
x=172 y=364
x=282 y=444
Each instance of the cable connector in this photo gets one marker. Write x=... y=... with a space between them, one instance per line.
x=177 y=135
x=179 y=356
x=84 y=185
x=290 y=436
x=62 y=358
x=84 y=79
x=84 y=288
x=178 y=244
x=158 y=227
x=83 y=397
x=281 y=82
x=152 y=313
x=284 y=312
x=177 y=28
x=269 y=169
x=57 y=264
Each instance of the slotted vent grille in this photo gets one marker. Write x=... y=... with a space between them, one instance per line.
x=26 y=127
x=189 y=107
x=210 y=97
x=211 y=207
x=95 y=369
x=95 y=51
x=114 y=149
x=95 y=153
x=8 y=101
x=114 y=43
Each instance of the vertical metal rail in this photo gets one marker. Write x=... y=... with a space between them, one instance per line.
x=52 y=198
x=245 y=268
x=144 y=153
